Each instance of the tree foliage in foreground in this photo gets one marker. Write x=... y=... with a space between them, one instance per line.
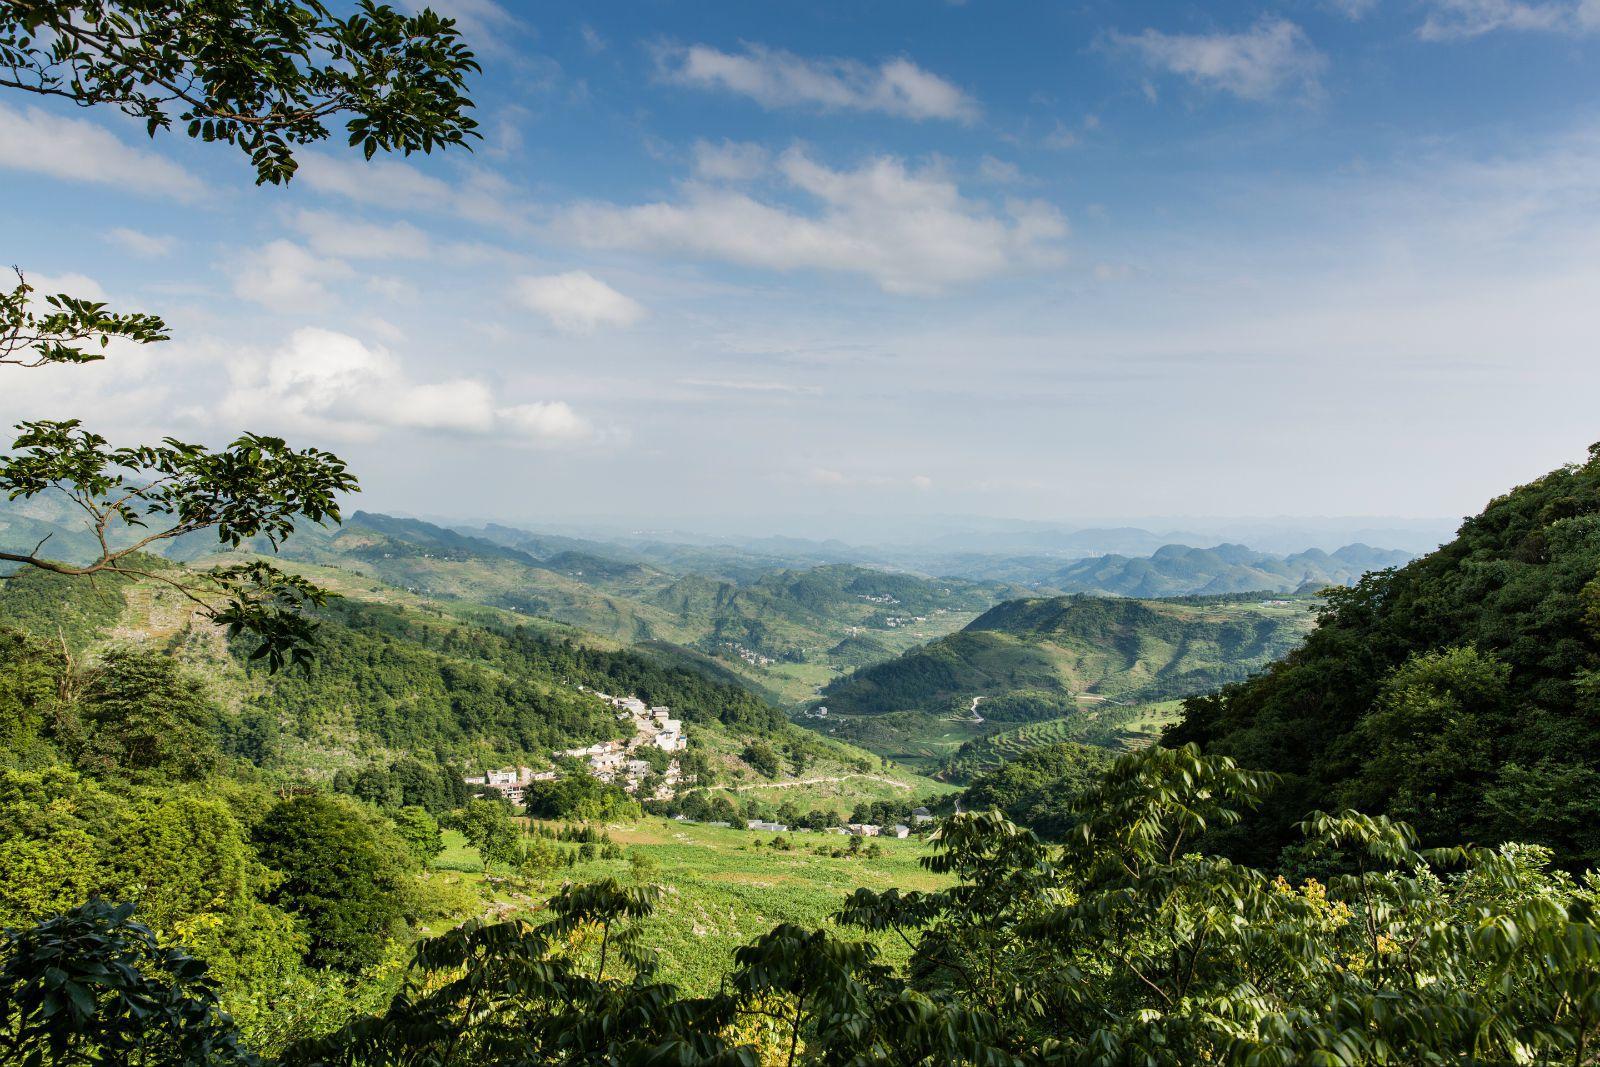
x=1119 y=946
x=135 y=498
x=262 y=75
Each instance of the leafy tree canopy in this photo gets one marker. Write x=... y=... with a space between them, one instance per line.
x=1461 y=690
x=262 y=75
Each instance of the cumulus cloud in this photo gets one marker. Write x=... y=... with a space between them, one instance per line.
x=286 y=277
x=1256 y=64
x=778 y=79
x=335 y=385
x=1458 y=19
x=76 y=149
x=909 y=230
x=576 y=302
x=150 y=246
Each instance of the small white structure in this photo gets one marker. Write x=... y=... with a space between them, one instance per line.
x=511 y=782
x=900 y=829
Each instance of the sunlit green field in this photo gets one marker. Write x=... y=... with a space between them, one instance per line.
x=722 y=891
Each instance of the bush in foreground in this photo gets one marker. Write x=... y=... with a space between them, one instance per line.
x=1118 y=946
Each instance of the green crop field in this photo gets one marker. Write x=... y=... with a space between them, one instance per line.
x=722 y=890
x=1106 y=725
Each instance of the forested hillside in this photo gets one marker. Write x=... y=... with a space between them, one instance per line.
x=1069 y=646
x=778 y=628
x=1461 y=692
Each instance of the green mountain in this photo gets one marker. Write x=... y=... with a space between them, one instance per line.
x=1040 y=659
x=1137 y=650
x=395 y=683
x=1460 y=692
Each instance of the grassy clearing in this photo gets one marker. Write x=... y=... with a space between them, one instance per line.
x=721 y=889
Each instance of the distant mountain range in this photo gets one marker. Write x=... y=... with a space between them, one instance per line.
x=785 y=614
x=1179 y=570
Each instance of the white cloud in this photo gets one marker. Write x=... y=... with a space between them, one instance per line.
x=391 y=288
x=79 y=285
x=1256 y=64
x=335 y=385
x=1457 y=19
x=481 y=196
x=483 y=23
x=286 y=277
x=79 y=150
x=340 y=235
x=732 y=161
x=151 y=246
x=551 y=421
x=911 y=231
x=776 y=79
x=576 y=302
x=386 y=182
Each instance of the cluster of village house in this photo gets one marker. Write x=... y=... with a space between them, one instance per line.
x=609 y=761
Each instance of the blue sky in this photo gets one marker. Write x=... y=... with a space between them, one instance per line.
x=734 y=261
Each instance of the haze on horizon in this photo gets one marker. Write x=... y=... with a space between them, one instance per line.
x=885 y=264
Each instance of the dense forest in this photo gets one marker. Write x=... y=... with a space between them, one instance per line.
x=1460 y=692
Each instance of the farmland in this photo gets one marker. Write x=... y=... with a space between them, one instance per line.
x=722 y=888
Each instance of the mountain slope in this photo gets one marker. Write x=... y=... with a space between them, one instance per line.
x=1461 y=691
x=392 y=684
x=1134 y=649
x=1045 y=659
x=777 y=629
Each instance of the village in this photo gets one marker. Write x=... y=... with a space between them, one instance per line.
x=627 y=762
x=630 y=762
